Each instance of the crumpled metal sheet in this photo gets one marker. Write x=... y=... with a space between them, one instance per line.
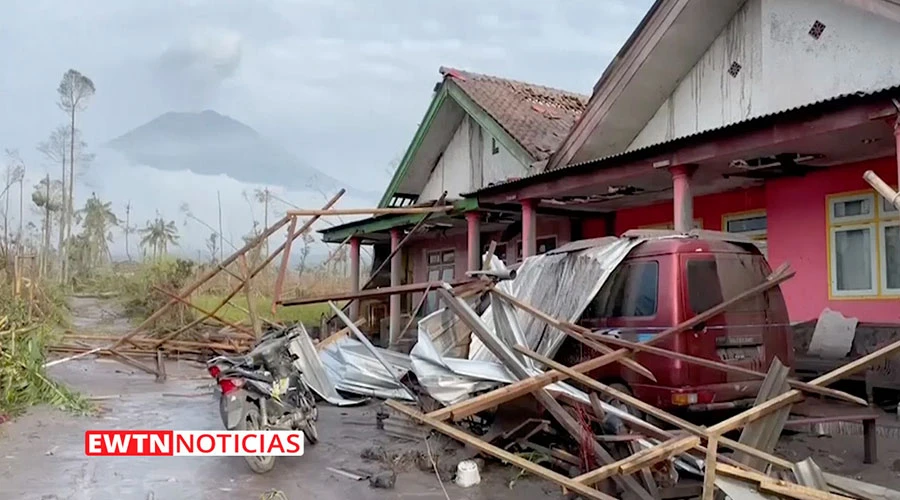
x=353 y=369
x=310 y=365
x=561 y=284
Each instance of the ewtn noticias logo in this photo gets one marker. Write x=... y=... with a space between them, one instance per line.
x=145 y=443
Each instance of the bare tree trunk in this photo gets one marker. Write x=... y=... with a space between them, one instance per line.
x=71 y=208
x=127 y=228
x=221 y=237
x=22 y=214
x=6 y=211
x=62 y=221
x=45 y=259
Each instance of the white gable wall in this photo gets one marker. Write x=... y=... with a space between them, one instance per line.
x=452 y=172
x=499 y=165
x=470 y=163
x=782 y=66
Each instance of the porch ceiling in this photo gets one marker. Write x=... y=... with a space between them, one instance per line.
x=717 y=173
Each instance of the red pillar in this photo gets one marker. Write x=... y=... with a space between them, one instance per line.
x=683 y=200
x=354 y=276
x=897 y=142
x=473 y=223
x=396 y=277
x=529 y=228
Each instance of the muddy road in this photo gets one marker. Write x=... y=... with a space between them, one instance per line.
x=42 y=453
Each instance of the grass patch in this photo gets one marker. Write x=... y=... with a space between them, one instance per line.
x=23 y=380
x=309 y=315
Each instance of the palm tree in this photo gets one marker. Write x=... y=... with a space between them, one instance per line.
x=158 y=235
x=97 y=220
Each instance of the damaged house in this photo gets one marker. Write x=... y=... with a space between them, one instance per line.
x=731 y=115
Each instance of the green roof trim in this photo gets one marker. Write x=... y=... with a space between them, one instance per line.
x=471 y=108
x=384 y=223
x=487 y=122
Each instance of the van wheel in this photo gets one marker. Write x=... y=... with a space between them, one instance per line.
x=619 y=404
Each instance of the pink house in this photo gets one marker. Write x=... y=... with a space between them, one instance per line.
x=731 y=116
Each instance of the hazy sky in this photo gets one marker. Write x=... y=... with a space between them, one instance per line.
x=342 y=84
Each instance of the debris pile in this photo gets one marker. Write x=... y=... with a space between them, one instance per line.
x=600 y=442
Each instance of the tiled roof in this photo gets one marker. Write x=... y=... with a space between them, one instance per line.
x=538 y=117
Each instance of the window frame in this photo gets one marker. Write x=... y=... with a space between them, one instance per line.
x=880 y=218
x=757 y=234
x=698 y=224
x=441 y=266
x=519 y=246
x=882 y=260
x=873 y=250
x=851 y=219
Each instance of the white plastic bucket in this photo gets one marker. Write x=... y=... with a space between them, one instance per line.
x=467 y=474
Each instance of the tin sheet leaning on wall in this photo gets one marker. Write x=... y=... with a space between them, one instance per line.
x=561 y=283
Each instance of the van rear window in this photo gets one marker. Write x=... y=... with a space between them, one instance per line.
x=711 y=281
x=704 y=291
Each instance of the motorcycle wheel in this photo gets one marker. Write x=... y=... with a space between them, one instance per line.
x=311 y=433
x=251 y=422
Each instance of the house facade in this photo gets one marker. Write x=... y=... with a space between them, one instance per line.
x=749 y=116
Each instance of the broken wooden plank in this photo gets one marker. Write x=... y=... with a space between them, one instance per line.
x=370 y=294
x=474 y=405
x=566 y=329
x=718 y=365
x=642 y=459
x=779 y=487
x=499 y=453
x=514 y=365
x=709 y=475
x=861 y=489
x=764 y=433
x=282 y=270
x=367 y=211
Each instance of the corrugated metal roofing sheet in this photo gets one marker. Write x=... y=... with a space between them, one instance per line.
x=599 y=161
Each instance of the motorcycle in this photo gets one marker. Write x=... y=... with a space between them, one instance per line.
x=263 y=390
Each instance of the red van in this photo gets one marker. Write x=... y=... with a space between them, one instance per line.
x=669 y=279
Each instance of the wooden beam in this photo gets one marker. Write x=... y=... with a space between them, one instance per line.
x=718 y=365
x=240 y=286
x=772 y=485
x=640 y=460
x=285 y=262
x=566 y=329
x=515 y=366
x=203 y=311
x=367 y=211
x=658 y=454
x=709 y=475
x=654 y=412
x=794 y=395
x=488 y=400
x=499 y=453
x=372 y=293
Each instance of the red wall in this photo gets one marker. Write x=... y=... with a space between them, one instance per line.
x=709 y=209
x=798 y=233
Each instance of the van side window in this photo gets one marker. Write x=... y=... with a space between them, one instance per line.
x=704 y=288
x=630 y=292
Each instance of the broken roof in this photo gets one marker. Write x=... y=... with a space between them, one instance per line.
x=537 y=117
x=529 y=120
